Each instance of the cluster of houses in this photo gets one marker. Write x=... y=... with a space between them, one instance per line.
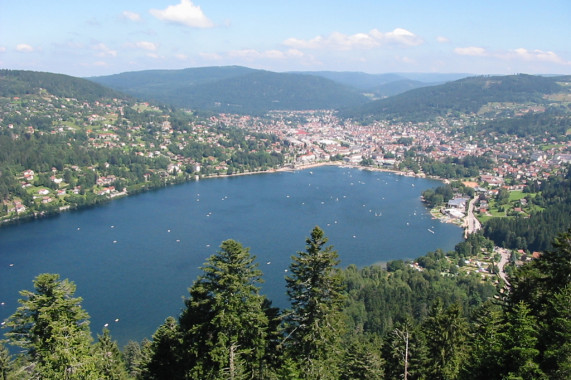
x=316 y=136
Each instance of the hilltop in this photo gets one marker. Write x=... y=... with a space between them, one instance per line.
x=235 y=89
x=20 y=82
x=463 y=96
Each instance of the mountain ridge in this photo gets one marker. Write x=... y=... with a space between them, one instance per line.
x=244 y=90
x=234 y=89
x=19 y=82
x=466 y=95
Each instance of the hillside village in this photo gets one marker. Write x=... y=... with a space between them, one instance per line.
x=171 y=148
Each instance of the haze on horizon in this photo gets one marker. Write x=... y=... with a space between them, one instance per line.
x=108 y=37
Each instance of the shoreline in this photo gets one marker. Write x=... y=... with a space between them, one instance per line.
x=285 y=168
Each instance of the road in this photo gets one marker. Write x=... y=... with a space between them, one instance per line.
x=505 y=256
x=471 y=223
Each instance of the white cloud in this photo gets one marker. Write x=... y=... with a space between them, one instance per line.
x=403 y=37
x=146 y=45
x=24 y=48
x=104 y=51
x=132 y=16
x=2 y=49
x=472 y=51
x=185 y=13
x=371 y=40
x=442 y=39
x=537 y=55
x=520 y=54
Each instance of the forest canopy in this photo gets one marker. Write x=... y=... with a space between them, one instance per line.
x=366 y=323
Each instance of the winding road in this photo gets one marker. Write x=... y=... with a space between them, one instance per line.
x=505 y=256
x=471 y=223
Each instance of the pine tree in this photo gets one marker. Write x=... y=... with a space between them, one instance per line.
x=519 y=341
x=224 y=326
x=405 y=352
x=445 y=331
x=274 y=356
x=362 y=358
x=166 y=349
x=485 y=345
x=109 y=358
x=133 y=355
x=401 y=346
x=558 y=352
x=537 y=284
x=314 y=325
x=5 y=362
x=54 y=329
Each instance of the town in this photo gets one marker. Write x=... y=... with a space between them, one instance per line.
x=167 y=147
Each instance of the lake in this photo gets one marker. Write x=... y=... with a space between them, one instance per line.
x=134 y=258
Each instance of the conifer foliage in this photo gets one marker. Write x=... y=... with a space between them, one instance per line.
x=227 y=330
x=314 y=324
x=53 y=328
x=224 y=326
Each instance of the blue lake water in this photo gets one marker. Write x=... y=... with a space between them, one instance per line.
x=133 y=259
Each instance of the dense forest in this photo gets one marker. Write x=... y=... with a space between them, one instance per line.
x=235 y=89
x=406 y=321
x=464 y=96
x=535 y=233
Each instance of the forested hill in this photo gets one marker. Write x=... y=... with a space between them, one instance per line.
x=235 y=89
x=462 y=96
x=20 y=82
x=67 y=143
x=148 y=81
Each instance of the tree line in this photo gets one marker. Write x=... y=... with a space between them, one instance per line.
x=228 y=330
x=535 y=233
x=21 y=82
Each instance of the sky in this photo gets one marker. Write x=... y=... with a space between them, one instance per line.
x=91 y=38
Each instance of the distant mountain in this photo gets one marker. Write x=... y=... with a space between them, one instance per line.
x=20 y=82
x=235 y=89
x=364 y=81
x=398 y=87
x=435 y=77
x=141 y=83
x=465 y=96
